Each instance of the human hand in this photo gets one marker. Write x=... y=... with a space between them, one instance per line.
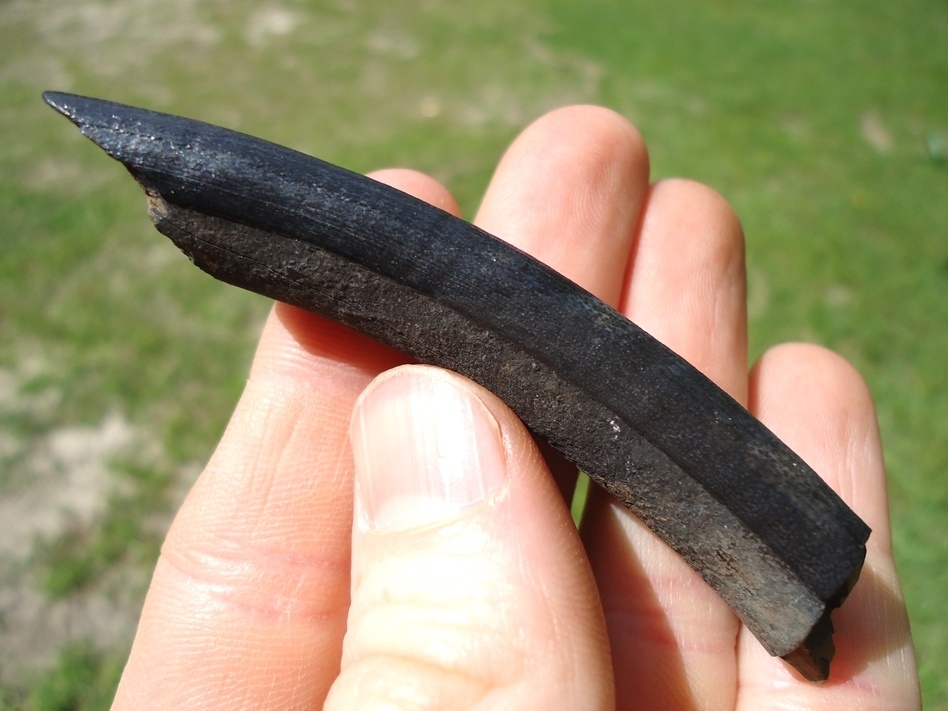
x=392 y=538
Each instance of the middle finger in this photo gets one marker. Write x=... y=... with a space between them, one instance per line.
x=569 y=191
x=673 y=638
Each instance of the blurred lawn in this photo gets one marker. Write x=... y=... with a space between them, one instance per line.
x=825 y=124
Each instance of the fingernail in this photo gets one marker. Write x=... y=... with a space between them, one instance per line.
x=426 y=447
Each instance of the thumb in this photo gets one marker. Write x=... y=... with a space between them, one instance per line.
x=470 y=588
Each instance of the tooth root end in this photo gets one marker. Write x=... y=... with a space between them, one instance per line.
x=812 y=658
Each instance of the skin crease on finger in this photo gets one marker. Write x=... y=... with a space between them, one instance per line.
x=574 y=191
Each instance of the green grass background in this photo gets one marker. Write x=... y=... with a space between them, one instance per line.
x=824 y=123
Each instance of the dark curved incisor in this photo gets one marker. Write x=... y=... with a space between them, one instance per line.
x=717 y=486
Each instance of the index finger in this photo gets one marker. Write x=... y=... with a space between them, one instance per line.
x=248 y=603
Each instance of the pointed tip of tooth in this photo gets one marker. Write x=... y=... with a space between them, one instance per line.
x=60 y=102
x=98 y=120
x=55 y=98
x=80 y=110
x=143 y=141
x=69 y=105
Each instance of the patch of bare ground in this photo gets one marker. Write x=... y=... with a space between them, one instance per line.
x=53 y=483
